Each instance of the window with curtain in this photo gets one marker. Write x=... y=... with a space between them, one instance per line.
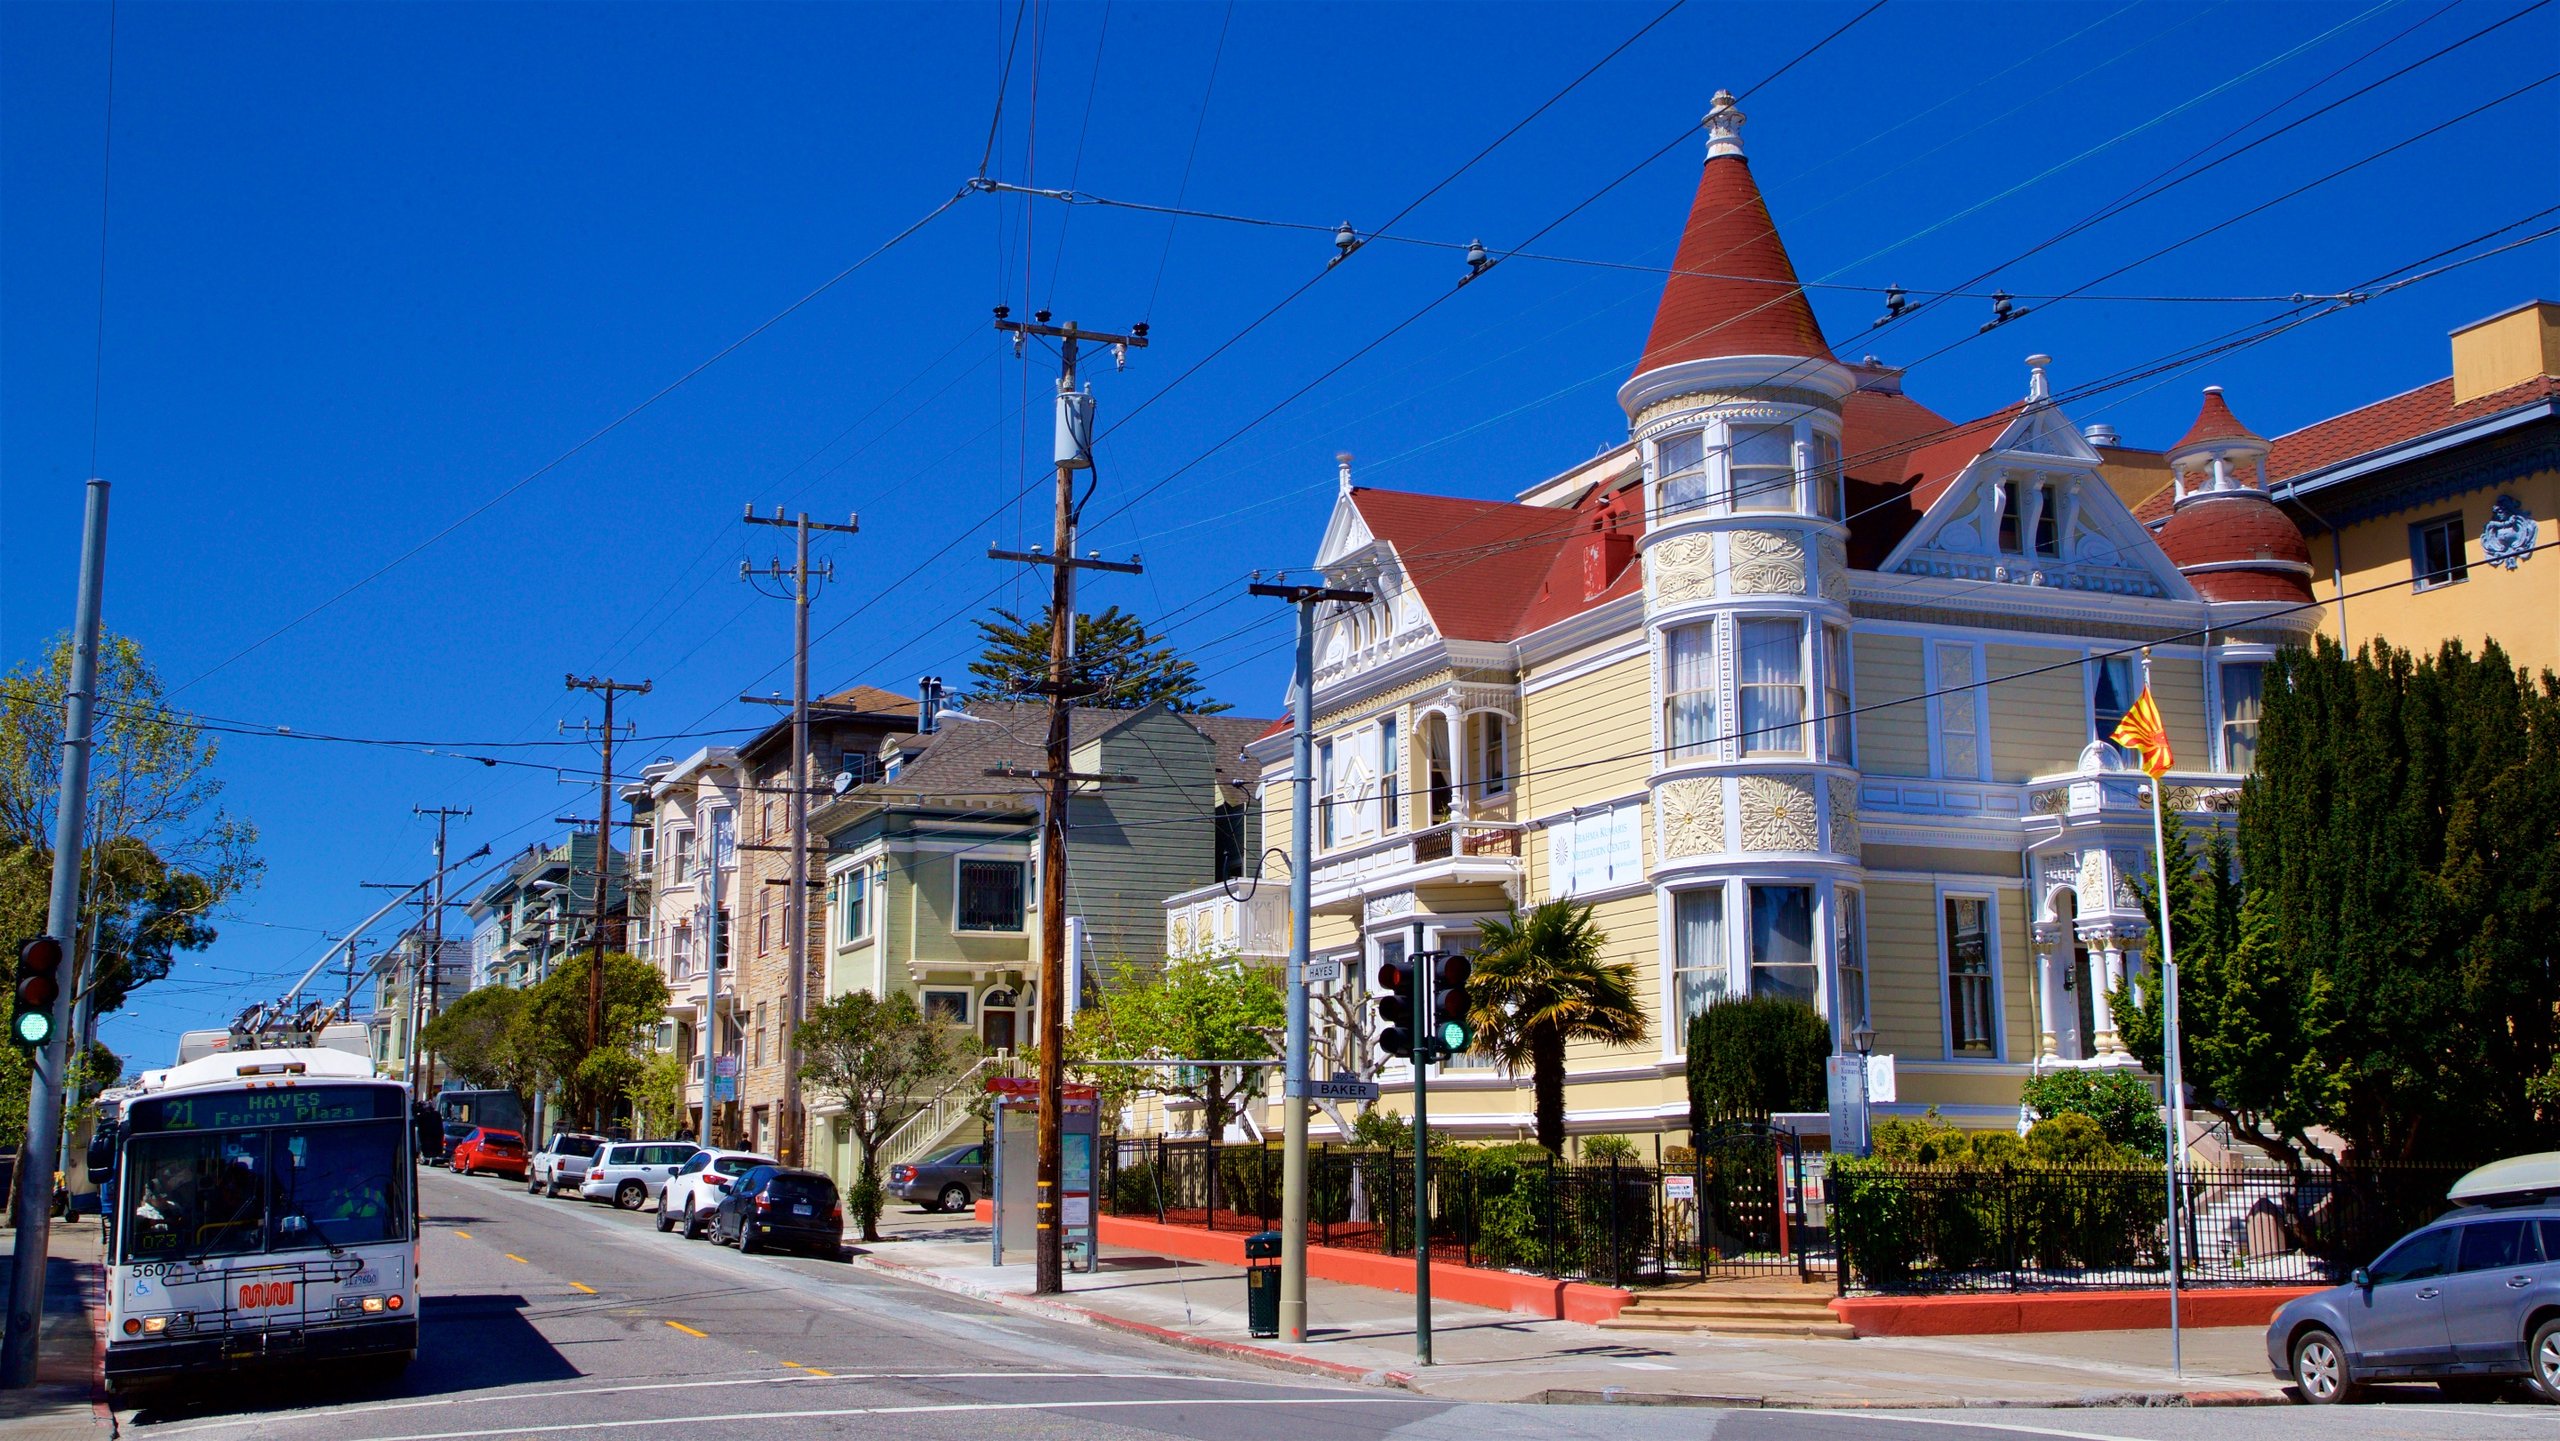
x=1435 y=744
x=1849 y=929
x=2243 y=692
x=1697 y=952
x=1772 y=687
x=1783 y=961
x=1973 y=1007
x=1681 y=462
x=1493 y=754
x=1324 y=793
x=1839 y=725
x=2114 y=683
x=1689 y=710
x=1390 y=776
x=1824 y=473
x=1763 y=462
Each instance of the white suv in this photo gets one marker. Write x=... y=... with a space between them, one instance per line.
x=631 y=1174
x=694 y=1192
x=561 y=1163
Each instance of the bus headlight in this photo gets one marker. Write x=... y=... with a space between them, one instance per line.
x=153 y=1326
x=373 y=1303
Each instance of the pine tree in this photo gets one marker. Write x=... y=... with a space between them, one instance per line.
x=1127 y=666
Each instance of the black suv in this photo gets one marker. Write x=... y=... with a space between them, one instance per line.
x=781 y=1206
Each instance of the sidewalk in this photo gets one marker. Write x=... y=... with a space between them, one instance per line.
x=62 y=1405
x=1360 y=1334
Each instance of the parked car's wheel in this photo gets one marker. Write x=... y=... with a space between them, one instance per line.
x=954 y=1197
x=694 y=1221
x=748 y=1245
x=2320 y=1369
x=532 y=1186
x=2545 y=1357
x=666 y=1219
x=631 y=1195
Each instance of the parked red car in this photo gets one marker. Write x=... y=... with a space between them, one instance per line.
x=487 y=1149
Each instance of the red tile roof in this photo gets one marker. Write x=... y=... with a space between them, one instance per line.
x=1476 y=562
x=1734 y=292
x=1883 y=433
x=2236 y=527
x=2214 y=422
x=2385 y=423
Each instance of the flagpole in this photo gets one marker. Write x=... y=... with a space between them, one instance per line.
x=2171 y=1069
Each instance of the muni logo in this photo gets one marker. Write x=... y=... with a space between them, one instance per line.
x=255 y=1294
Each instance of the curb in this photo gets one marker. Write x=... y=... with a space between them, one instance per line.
x=2119 y=1400
x=1206 y=1345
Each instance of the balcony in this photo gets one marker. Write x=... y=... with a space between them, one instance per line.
x=1453 y=852
x=1212 y=921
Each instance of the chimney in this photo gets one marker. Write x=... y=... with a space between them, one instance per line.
x=1605 y=554
x=2506 y=350
x=928 y=703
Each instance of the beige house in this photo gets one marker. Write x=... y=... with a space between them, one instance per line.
x=1802 y=686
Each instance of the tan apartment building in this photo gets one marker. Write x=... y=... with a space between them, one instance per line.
x=1805 y=688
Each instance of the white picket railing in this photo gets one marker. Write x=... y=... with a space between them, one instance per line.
x=934 y=1124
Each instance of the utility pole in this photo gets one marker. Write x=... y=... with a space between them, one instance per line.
x=607 y=687
x=62 y=922
x=1293 y=1146
x=1074 y=452
x=794 y=909
x=435 y=926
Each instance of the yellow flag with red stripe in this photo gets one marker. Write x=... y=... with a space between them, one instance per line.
x=2142 y=732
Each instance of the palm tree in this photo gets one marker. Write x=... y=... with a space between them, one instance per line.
x=1538 y=985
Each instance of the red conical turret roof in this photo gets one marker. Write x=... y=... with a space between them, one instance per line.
x=2214 y=422
x=1733 y=291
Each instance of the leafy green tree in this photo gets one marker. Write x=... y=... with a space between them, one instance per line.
x=881 y=1061
x=1128 y=666
x=1200 y=1008
x=2373 y=959
x=1539 y=985
x=552 y=1032
x=1751 y=1057
x=2121 y=1103
x=480 y=1038
x=656 y=1094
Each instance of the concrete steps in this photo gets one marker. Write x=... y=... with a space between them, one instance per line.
x=1772 y=1308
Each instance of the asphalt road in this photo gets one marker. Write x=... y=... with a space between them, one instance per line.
x=562 y=1319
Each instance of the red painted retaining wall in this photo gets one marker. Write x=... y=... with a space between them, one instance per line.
x=2061 y=1311
x=1496 y=1290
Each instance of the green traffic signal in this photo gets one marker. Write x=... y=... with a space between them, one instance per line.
x=34 y=1028
x=1456 y=1037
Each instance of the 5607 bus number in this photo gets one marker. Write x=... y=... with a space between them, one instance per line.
x=257 y=1294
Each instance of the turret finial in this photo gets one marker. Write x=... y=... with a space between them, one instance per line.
x=1724 y=127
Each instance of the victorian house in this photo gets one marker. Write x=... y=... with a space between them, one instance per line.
x=1804 y=687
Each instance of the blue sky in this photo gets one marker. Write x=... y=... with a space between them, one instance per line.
x=370 y=267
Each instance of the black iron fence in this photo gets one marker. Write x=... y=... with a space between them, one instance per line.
x=1509 y=1208
x=1927 y=1229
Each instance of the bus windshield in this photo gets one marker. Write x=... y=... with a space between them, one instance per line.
x=286 y=1188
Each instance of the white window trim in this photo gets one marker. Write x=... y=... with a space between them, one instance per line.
x=1847 y=686
x=1675 y=1035
x=1029 y=878
x=1806 y=689
x=1989 y=895
x=1720 y=747
x=2092 y=658
x=1836 y=906
x=2214 y=660
x=1820 y=939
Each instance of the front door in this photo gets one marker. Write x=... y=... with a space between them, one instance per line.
x=995 y=1020
x=2399 y=1325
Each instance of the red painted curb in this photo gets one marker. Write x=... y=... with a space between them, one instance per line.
x=2011 y=1313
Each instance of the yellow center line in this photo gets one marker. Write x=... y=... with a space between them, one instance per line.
x=688 y=1330
x=583 y=1286
x=463 y=1234
x=814 y=1371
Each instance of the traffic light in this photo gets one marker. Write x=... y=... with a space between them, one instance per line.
x=1395 y=1007
x=39 y=984
x=1452 y=1030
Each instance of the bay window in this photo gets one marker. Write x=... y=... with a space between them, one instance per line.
x=1689 y=710
x=1681 y=462
x=1763 y=461
x=1772 y=686
x=1697 y=952
x=1782 y=953
x=2243 y=692
x=2114 y=684
x=1493 y=754
x=1824 y=474
x=1838 y=724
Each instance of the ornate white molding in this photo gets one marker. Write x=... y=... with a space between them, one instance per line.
x=1777 y=812
x=1767 y=563
x=1843 y=795
x=1834 y=561
x=1688 y=818
x=1683 y=568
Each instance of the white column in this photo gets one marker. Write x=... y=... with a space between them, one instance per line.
x=2049 y=993
x=2112 y=951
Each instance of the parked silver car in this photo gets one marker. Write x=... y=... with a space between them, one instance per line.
x=631 y=1174
x=947 y=1180
x=2471 y=1302
x=562 y=1162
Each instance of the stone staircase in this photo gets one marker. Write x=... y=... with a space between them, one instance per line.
x=1771 y=1306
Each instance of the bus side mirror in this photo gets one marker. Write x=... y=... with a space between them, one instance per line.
x=102 y=1159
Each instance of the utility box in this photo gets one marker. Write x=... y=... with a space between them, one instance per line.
x=1075 y=430
x=1262 y=1283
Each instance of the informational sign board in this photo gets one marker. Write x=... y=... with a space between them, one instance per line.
x=1679 y=1188
x=1017 y=1168
x=1321 y=972
x=724 y=1078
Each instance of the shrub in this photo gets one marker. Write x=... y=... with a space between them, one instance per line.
x=2119 y=1101
x=1871 y=1218
x=1751 y=1056
x=1134 y=1190
x=1601 y=1150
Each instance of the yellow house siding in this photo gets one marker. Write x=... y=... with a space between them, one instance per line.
x=2017 y=976
x=1893 y=741
x=2519 y=609
x=1631 y=924
x=2038 y=722
x=1604 y=716
x=2177 y=683
x=1902 y=968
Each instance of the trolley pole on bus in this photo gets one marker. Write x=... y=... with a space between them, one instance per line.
x=49 y=1060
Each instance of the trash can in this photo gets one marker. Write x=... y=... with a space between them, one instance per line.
x=1262 y=1283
